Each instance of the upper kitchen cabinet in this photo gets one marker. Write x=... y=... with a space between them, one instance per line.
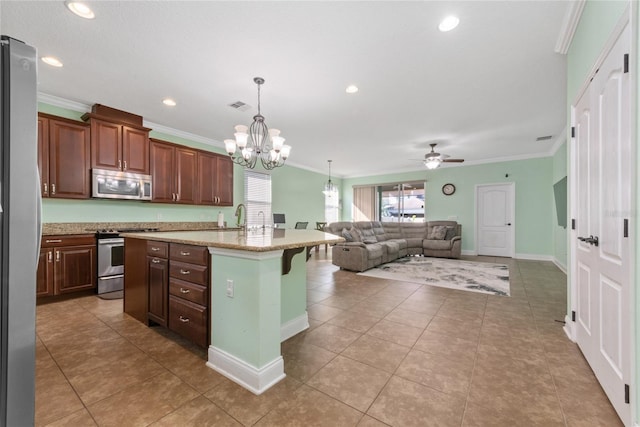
x=215 y=179
x=63 y=157
x=118 y=140
x=174 y=172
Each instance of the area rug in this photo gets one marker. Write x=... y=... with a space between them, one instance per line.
x=472 y=276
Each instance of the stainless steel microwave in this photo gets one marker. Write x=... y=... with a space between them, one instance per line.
x=109 y=184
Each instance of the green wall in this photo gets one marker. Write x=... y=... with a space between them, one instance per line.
x=296 y=192
x=560 y=234
x=534 y=198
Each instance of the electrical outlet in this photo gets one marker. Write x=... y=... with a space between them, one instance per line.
x=159 y=215
x=230 y=288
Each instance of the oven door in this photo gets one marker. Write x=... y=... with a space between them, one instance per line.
x=110 y=256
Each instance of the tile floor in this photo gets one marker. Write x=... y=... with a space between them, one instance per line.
x=378 y=353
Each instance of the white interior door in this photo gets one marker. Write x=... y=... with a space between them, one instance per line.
x=495 y=219
x=602 y=247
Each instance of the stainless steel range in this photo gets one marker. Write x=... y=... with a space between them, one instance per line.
x=111 y=258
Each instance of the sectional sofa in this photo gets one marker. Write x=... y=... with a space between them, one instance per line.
x=370 y=243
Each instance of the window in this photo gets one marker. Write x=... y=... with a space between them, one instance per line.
x=401 y=202
x=331 y=203
x=257 y=198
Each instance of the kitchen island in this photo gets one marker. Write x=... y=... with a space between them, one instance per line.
x=257 y=296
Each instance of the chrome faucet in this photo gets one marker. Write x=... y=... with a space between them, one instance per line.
x=241 y=207
x=263 y=226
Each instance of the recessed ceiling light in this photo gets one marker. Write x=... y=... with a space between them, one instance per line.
x=170 y=102
x=351 y=89
x=80 y=9
x=449 y=23
x=52 y=60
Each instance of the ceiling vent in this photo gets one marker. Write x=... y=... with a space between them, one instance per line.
x=544 y=138
x=241 y=106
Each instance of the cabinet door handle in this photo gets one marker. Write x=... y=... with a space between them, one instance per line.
x=184 y=291
x=184 y=319
x=154 y=249
x=46 y=188
x=155 y=261
x=177 y=197
x=184 y=272
x=173 y=196
x=125 y=165
x=50 y=256
x=53 y=189
x=53 y=240
x=119 y=164
x=57 y=256
x=185 y=253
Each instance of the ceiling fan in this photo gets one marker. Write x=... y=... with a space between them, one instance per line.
x=432 y=160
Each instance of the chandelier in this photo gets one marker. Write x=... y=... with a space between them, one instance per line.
x=329 y=187
x=257 y=141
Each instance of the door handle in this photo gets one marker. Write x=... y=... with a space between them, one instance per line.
x=50 y=257
x=53 y=189
x=57 y=256
x=46 y=189
x=592 y=240
x=125 y=165
x=509 y=224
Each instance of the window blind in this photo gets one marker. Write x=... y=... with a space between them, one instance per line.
x=331 y=204
x=257 y=197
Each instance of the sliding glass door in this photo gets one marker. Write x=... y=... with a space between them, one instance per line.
x=402 y=202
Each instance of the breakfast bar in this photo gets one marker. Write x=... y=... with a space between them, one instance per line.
x=257 y=295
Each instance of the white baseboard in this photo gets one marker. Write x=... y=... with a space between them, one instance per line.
x=469 y=252
x=569 y=328
x=256 y=380
x=294 y=327
x=560 y=265
x=535 y=257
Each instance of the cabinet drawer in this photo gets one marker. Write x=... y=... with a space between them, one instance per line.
x=188 y=319
x=158 y=249
x=68 y=240
x=189 y=291
x=188 y=253
x=189 y=272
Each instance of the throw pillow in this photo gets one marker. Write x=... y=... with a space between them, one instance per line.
x=347 y=235
x=451 y=233
x=368 y=234
x=355 y=233
x=369 y=241
x=438 y=232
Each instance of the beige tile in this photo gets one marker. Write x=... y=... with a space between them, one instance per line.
x=322 y=312
x=350 y=382
x=309 y=407
x=451 y=376
x=501 y=414
x=193 y=370
x=198 y=412
x=377 y=353
x=446 y=346
x=143 y=403
x=330 y=337
x=409 y=318
x=368 y=421
x=406 y=403
x=357 y=322
x=469 y=331
x=395 y=332
x=247 y=407
x=302 y=361
x=80 y=418
x=54 y=396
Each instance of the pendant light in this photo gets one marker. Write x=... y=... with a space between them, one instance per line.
x=329 y=187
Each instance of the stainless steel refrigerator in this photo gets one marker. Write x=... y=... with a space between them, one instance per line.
x=19 y=231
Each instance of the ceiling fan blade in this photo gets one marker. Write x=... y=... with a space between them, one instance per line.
x=453 y=160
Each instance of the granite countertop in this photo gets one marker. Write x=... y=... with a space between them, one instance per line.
x=64 y=228
x=253 y=240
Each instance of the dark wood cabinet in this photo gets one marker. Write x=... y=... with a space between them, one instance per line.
x=215 y=180
x=175 y=280
x=158 y=281
x=118 y=140
x=66 y=264
x=63 y=157
x=173 y=172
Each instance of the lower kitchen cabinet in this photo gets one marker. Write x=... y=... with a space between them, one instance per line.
x=66 y=264
x=176 y=280
x=158 y=280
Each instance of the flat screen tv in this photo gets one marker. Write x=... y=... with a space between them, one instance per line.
x=560 y=194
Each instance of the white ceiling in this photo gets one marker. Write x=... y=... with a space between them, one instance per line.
x=483 y=91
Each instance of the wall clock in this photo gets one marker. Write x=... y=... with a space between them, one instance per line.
x=448 y=189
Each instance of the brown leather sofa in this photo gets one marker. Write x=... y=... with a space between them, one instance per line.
x=370 y=243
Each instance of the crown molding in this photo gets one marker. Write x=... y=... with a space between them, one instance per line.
x=156 y=127
x=569 y=25
x=560 y=139
x=56 y=101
